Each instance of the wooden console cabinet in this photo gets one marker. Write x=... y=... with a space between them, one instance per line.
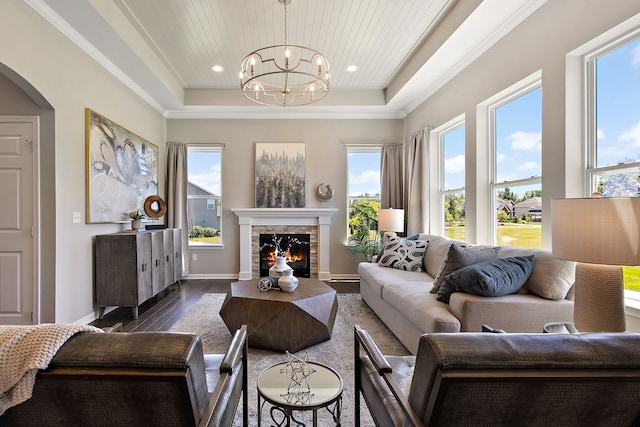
x=130 y=267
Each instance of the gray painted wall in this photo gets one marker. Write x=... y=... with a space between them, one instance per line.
x=326 y=161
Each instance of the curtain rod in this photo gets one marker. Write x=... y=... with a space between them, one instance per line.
x=370 y=145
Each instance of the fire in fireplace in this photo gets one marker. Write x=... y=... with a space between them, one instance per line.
x=296 y=247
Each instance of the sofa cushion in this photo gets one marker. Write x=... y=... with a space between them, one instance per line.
x=551 y=278
x=375 y=277
x=403 y=254
x=419 y=307
x=436 y=253
x=493 y=278
x=461 y=256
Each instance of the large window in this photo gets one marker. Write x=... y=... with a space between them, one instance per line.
x=614 y=125
x=204 y=195
x=516 y=124
x=452 y=180
x=363 y=192
x=613 y=134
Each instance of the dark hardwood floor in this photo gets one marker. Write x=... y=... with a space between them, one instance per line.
x=162 y=311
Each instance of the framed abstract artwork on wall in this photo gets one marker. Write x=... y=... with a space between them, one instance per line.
x=280 y=175
x=121 y=170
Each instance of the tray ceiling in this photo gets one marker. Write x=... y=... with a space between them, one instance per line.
x=404 y=51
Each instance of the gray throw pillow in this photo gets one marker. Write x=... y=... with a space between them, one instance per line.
x=403 y=254
x=462 y=256
x=493 y=278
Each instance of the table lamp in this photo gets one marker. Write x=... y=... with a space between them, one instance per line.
x=602 y=234
x=389 y=221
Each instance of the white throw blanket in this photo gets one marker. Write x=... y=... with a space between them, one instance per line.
x=24 y=350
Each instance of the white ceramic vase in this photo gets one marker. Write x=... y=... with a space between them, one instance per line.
x=136 y=224
x=288 y=283
x=276 y=271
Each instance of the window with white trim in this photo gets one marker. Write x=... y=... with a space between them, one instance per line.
x=204 y=195
x=613 y=117
x=613 y=126
x=363 y=190
x=515 y=124
x=452 y=166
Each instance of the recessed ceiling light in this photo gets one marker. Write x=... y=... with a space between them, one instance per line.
x=217 y=68
x=352 y=68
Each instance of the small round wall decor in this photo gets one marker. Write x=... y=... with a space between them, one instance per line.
x=324 y=193
x=155 y=206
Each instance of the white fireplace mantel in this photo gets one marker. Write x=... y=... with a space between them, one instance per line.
x=320 y=217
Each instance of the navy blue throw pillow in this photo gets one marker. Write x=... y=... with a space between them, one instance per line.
x=492 y=278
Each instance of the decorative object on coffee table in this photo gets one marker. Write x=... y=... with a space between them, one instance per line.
x=323 y=390
x=282 y=321
x=297 y=370
x=288 y=283
x=267 y=283
x=276 y=271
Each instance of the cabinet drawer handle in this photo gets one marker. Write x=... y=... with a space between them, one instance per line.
x=143 y=266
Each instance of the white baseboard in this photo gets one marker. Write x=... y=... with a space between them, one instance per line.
x=212 y=276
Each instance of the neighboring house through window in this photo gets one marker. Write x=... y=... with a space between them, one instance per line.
x=515 y=129
x=204 y=195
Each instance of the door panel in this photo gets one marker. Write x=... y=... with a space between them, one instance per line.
x=17 y=249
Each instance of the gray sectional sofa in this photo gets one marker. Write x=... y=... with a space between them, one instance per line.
x=404 y=301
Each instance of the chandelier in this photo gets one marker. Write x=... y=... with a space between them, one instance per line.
x=285 y=75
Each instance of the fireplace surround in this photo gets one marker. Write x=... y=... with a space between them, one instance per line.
x=314 y=221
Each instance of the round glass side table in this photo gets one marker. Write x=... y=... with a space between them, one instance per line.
x=313 y=387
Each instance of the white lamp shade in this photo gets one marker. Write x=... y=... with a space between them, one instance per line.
x=597 y=230
x=391 y=219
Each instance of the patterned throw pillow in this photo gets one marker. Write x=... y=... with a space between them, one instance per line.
x=403 y=254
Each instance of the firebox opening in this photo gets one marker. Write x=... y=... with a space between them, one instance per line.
x=296 y=247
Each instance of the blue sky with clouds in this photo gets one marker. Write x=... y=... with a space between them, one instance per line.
x=618 y=101
x=204 y=170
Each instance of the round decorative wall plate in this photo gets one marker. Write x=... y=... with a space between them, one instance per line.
x=155 y=206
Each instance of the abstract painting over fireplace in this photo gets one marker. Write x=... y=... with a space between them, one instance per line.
x=295 y=247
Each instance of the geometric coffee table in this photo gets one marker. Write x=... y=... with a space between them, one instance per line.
x=282 y=321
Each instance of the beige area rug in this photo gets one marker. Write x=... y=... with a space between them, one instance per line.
x=204 y=320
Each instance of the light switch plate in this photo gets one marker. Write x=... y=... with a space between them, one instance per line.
x=77 y=218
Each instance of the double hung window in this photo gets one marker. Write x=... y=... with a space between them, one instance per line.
x=204 y=195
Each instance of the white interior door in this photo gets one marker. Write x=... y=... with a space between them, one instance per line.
x=17 y=219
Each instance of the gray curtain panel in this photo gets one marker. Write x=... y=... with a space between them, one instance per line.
x=416 y=205
x=176 y=185
x=391 y=191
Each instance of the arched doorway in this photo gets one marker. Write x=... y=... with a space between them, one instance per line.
x=27 y=161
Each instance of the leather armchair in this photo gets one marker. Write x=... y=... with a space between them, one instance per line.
x=502 y=379
x=145 y=378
